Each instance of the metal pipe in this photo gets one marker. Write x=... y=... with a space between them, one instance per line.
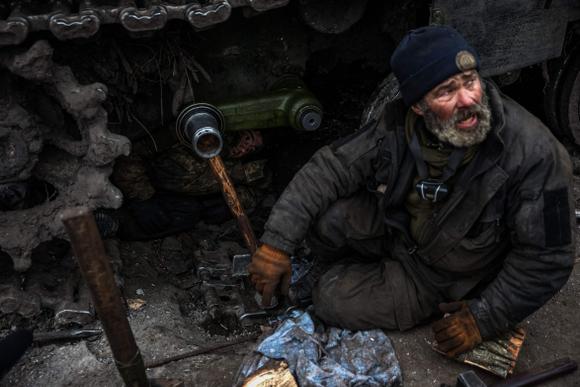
x=96 y=269
x=201 y=351
x=46 y=337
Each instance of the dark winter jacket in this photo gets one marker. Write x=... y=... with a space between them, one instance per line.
x=504 y=238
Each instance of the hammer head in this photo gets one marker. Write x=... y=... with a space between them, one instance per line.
x=469 y=379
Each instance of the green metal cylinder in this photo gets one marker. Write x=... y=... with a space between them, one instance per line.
x=289 y=104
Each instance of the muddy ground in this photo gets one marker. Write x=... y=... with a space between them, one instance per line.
x=171 y=322
x=159 y=274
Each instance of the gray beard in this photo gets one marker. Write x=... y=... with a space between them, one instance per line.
x=446 y=130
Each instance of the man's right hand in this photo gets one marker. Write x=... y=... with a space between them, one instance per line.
x=269 y=268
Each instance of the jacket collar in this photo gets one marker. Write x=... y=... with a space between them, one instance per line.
x=493 y=146
x=497 y=108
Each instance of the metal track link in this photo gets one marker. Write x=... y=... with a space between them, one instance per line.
x=82 y=19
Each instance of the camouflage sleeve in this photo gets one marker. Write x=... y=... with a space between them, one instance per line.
x=333 y=172
x=541 y=222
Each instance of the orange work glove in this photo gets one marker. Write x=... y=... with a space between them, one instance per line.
x=458 y=332
x=269 y=268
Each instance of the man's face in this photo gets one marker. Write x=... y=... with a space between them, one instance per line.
x=457 y=110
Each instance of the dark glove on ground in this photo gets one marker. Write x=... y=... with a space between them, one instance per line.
x=269 y=268
x=458 y=332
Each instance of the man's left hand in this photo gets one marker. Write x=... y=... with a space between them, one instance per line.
x=457 y=332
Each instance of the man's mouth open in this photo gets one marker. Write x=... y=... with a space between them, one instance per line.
x=468 y=122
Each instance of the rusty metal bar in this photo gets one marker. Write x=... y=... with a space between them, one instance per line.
x=219 y=170
x=201 y=351
x=97 y=271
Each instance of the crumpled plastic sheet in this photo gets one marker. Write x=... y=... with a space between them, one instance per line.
x=300 y=268
x=320 y=356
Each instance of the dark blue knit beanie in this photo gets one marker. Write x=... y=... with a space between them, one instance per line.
x=427 y=56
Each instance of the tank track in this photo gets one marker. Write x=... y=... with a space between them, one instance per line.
x=84 y=18
x=78 y=168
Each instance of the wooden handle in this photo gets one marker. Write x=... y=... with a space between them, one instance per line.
x=95 y=267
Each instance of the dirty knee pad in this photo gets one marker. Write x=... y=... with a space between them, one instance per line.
x=355 y=296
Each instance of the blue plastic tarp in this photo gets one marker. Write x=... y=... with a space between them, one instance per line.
x=326 y=356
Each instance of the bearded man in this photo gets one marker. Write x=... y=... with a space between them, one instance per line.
x=456 y=202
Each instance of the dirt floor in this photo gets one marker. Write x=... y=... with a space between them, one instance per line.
x=159 y=274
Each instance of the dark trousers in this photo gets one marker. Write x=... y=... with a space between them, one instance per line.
x=365 y=286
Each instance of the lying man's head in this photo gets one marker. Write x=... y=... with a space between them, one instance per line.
x=437 y=73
